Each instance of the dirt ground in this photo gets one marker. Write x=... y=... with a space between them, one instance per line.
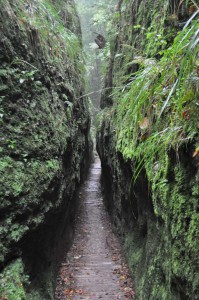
x=94 y=268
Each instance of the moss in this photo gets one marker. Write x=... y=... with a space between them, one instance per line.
x=151 y=131
x=12 y=282
x=20 y=180
x=163 y=261
x=45 y=131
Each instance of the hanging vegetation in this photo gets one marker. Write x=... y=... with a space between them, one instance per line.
x=148 y=143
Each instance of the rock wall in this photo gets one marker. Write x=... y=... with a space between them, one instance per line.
x=45 y=145
x=148 y=145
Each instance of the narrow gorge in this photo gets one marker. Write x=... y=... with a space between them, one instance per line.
x=54 y=71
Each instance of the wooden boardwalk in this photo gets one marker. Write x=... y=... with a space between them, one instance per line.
x=94 y=267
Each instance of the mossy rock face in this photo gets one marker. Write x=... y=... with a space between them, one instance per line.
x=45 y=122
x=159 y=227
x=148 y=143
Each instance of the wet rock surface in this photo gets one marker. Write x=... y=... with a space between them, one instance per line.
x=155 y=209
x=44 y=144
x=94 y=268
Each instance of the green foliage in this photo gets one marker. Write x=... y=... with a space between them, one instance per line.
x=12 y=282
x=168 y=253
x=19 y=178
x=22 y=189
x=153 y=126
x=167 y=88
x=44 y=130
x=18 y=231
x=52 y=28
x=98 y=13
x=46 y=21
x=96 y=18
x=43 y=70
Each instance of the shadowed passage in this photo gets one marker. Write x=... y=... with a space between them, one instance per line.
x=94 y=268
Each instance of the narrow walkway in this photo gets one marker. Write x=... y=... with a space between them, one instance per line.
x=94 y=267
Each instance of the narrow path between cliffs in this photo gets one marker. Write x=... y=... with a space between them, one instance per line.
x=94 y=268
